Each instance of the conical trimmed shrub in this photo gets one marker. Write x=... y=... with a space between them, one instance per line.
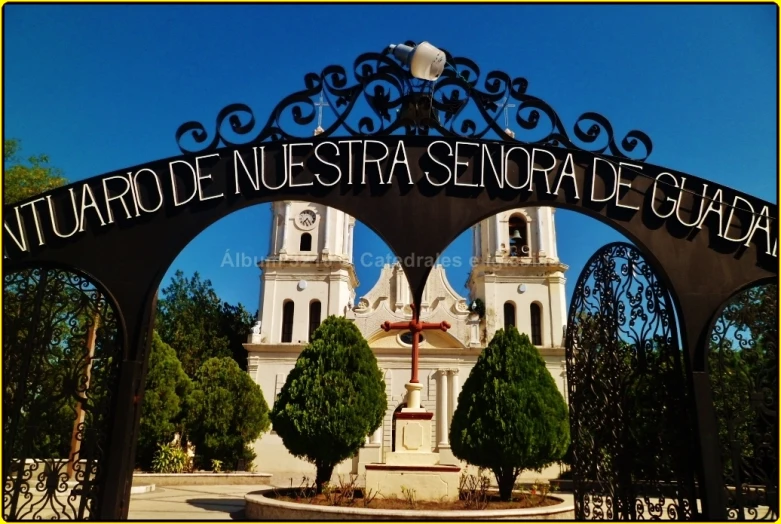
x=333 y=398
x=510 y=415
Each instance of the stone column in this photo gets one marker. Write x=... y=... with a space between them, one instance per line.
x=479 y=254
x=350 y=229
x=376 y=438
x=442 y=411
x=285 y=227
x=497 y=232
x=453 y=396
x=550 y=246
x=327 y=232
x=543 y=242
x=371 y=452
x=557 y=317
x=399 y=284
x=275 y=231
x=272 y=237
x=473 y=321
x=345 y=234
x=252 y=367
x=563 y=375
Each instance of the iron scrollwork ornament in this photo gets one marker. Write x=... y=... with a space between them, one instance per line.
x=631 y=440
x=60 y=368
x=743 y=370
x=384 y=99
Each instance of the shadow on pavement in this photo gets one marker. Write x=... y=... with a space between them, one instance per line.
x=234 y=507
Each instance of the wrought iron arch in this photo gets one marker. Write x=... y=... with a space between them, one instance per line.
x=130 y=252
x=629 y=406
x=699 y=360
x=63 y=342
x=742 y=366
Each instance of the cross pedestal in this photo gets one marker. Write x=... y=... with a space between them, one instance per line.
x=413 y=464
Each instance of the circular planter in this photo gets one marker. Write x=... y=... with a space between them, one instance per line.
x=259 y=507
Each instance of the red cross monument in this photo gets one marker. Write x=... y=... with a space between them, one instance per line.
x=415 y=326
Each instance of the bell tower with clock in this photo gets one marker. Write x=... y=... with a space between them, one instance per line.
x=308 y=273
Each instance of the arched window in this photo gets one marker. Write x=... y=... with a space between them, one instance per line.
x=287 y=321
x=509 y=314
x=536 y=318
x=306 y=242
x=314 y=317
x=519 y=244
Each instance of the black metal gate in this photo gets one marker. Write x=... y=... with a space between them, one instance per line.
x=631 y=437
x=743 y=370
x=61 y=356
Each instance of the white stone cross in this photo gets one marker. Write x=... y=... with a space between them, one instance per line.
x=320 y=105
x=506 y=117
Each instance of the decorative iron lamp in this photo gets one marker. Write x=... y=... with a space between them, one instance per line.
x=424 y=60
x=427 y=63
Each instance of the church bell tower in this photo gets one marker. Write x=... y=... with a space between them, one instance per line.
x=518 y=275
x=308 y=274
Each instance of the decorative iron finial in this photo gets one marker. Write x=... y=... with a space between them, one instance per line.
x=398 y=101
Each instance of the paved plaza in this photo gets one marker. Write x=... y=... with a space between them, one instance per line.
x=191 y=503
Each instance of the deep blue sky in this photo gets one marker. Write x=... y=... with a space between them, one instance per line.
x=99 y=88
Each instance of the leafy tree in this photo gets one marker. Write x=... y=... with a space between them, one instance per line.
x=189 y=318
x=192 y=320
x=226 y=414
x=510 y=414
x=53 y=340
x=743 y=367
x=236 y=323
x=22 y=180
x=166 y=391
x=50 y=415
x=332 y=399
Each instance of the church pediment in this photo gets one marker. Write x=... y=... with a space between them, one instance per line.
x=392 y=291
x=401 y=340
x=390 y=298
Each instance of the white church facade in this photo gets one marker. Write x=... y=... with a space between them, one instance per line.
x=310 y=274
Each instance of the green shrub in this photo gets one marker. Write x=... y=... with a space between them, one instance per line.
x=170 y=459
x=510 y=414
x=227 y=413
x=333 y=398
x=166 y=390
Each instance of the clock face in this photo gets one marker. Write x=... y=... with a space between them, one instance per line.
x=306 y=219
